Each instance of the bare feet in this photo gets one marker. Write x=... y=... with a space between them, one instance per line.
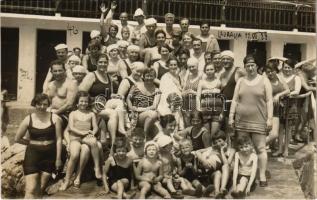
x=64 y=186
x=98 y=173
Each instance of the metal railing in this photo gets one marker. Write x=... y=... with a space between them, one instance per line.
x=234 y=13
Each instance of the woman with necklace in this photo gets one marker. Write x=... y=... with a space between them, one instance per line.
x=251 y=111
x=209 y=100
x=279 y=89
x=190 y=87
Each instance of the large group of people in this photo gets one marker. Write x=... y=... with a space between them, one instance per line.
x=160 y=109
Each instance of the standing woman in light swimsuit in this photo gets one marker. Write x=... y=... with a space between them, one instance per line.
x=251 y=111
x=44 y=147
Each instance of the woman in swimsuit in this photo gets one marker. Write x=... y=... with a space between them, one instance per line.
x=209 y=100
x=143 y=100
x=160 y=66
x=100 y=86
x=44 y=146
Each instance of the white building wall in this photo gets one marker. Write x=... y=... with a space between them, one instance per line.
x=28 y=25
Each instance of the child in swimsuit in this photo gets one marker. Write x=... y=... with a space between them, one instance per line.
x=220 y=145
x=245 y=166
x=117 y=172
x=82 y=130
x=188 y=169
x=149 y=172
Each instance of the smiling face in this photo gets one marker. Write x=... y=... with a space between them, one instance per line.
x=193 y=68
x=218 y=143
x=114 y=53
x=149 y=77
x=210 y=71
x=58 y=72
x=124 y=18
x=227 y=62
x=183 y=58
x=83 y=103
x=169 y=21
x=245 y=148
x=121 y=152
x=136 y=74
x=61 y=54
x=137 y=141
x=187 y=40
x=133 y=55
x=164 y=52
x=173 y=67
x=271 y=74
x=151 y=28
x=151 y=151
x=102 y=64
x=79 y=76
x=186 y=148
x=170 y=127
x=160 y=39
x=197 y=46
x=287 y=70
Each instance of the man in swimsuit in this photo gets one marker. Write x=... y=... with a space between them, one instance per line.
x=61 y=91
x=184 y=24
x=228 y=80
x=169 y=21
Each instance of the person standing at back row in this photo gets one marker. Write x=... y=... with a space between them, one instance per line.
x=209 y=41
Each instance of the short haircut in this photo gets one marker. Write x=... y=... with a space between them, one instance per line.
x=207 y=66
x=250 y=57
x=149 y=71
x=219 y=135
x=82 y=94
x=57 y=62
x=160 y=31
x=138 y=132
x=197 y=39
x=272 y=66
x=243 y=140
x=290 y=62
x=170 y=59
x=39 y=98
x=166 y=119
x=166 y=46
x=184 y=141
x=114 y=26
x=197 y=114
x=121 y=143
x=204 y=22
x=103 y=55
x=93 y=44
x=76 y=48
x=184 y=19
x=184 y=51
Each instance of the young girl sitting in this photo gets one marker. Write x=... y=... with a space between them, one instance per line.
x=188 y=169
x=245 y=166
x=175 y=105
x=82 y=127
x=197 y=133
x=117 y=171
x=150 y=172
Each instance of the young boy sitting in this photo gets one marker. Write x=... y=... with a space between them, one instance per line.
x=149 y=172
x=245 y=166
x=170 y=165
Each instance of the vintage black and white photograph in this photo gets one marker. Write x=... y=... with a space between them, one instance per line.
x=152 y=99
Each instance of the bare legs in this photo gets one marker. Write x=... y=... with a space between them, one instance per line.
x=35 y=184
